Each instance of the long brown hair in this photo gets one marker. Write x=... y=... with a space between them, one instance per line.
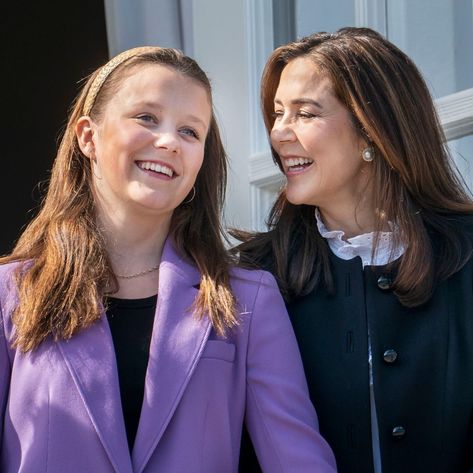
x=66 y=269
x=414 y=183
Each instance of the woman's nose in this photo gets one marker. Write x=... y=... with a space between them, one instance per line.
x=281 y=132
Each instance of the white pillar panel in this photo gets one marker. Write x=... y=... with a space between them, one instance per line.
x=220 y=39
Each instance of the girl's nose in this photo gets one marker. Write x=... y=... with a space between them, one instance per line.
x=167 y=140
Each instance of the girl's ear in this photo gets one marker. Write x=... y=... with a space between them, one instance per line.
x=85 y=136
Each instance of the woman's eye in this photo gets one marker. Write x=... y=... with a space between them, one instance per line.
x=190 y=132
x=278 y=114
x=303 y=114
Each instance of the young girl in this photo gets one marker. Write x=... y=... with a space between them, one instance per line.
x=127 y=341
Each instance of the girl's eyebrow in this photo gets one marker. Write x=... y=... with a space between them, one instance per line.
x=199 y=121
x=191 y=118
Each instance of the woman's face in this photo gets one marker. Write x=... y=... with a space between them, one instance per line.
x=314 y=136
x=148 y=147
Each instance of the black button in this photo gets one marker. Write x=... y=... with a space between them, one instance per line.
x=398 y=432
x=384 y=282
x=390 y=356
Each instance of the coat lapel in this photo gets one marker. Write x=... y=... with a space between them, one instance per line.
x=177 y=342
x=90 y=358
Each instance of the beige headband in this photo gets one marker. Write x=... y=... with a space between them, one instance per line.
x=107 y=69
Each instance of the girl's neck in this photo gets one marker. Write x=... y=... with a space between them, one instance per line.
x=134 y=246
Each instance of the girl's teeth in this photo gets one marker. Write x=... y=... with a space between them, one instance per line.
x=157 y=168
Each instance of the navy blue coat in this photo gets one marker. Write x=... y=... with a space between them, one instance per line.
x=422 y=368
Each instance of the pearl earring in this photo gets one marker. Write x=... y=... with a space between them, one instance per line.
x=368 y=154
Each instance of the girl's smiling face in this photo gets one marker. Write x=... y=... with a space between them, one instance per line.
x=148 y=145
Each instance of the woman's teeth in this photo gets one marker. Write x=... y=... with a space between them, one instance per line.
x=298 y=162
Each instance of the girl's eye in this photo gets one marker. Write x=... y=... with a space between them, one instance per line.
x=146 y=118
x=190 y=132
x=278 y=114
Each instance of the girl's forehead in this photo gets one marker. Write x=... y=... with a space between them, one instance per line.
x=140 y=75
x=158 y=79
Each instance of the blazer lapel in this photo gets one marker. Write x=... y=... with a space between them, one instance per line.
x=177 y=342
x=90 y=358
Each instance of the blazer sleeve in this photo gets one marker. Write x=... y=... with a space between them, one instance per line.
x=5 y=370
x=280 y=417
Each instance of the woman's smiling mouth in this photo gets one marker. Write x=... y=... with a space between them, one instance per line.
x=294 y=165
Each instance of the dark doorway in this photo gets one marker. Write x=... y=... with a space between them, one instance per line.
x=46 y=48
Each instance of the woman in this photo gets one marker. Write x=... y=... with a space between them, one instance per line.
x=370 y=241
x=127 y=342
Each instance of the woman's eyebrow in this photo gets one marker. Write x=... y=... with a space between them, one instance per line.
x=301 y=101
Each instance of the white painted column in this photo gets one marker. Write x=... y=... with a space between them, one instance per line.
x=220 y=47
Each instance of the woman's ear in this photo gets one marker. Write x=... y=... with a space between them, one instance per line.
x=85 y=136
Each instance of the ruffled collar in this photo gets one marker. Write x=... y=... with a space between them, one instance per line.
x=361 y=245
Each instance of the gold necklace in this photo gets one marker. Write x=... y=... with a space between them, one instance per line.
x=135 y=275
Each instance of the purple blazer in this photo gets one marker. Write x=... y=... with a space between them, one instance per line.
x=60 y=407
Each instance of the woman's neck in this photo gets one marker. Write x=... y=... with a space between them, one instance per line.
x=352 y=221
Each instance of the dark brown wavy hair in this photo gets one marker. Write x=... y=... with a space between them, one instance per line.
x=414 y=183
x=66 y=267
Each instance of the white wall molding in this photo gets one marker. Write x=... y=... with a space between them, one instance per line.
x=265 y=181
x=263 y=197
x=456 y=114
x=262 y=168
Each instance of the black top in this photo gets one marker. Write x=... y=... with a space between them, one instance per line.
x=131 y=324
